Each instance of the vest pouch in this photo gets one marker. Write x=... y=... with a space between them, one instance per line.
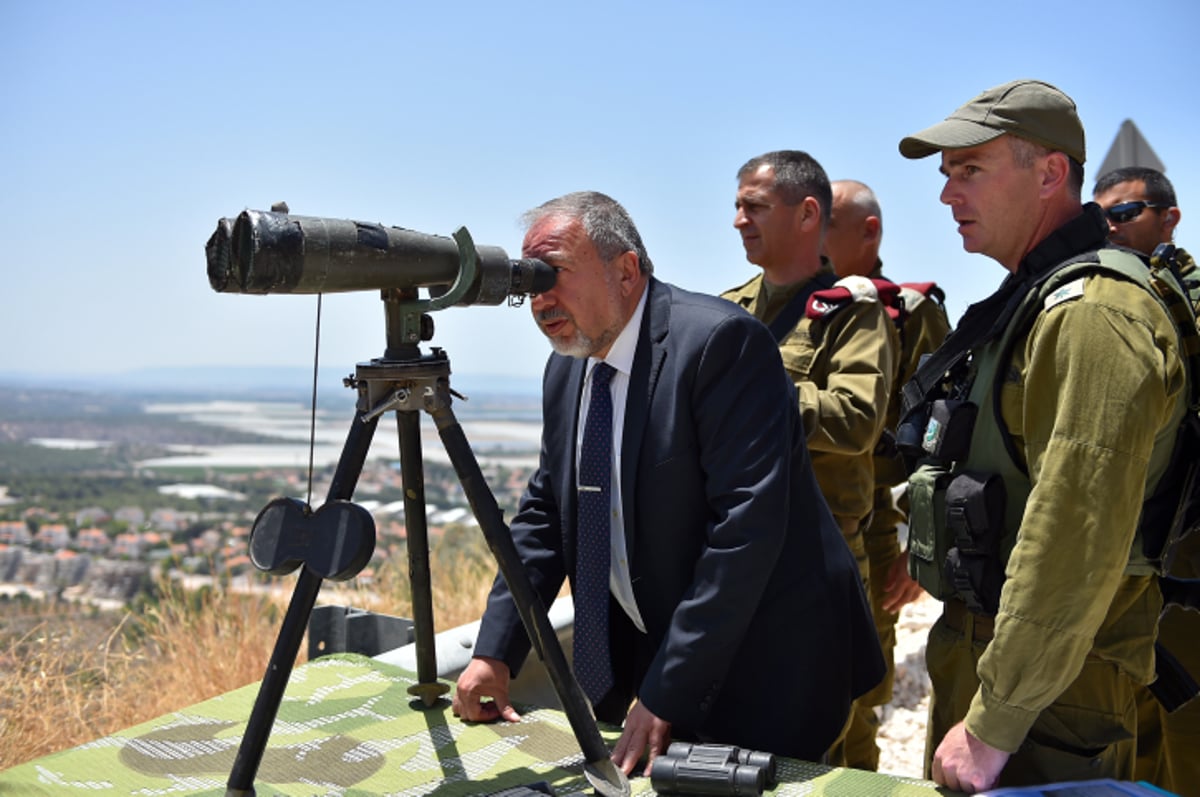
x=910 y=433
x=975 y=523
x=928 y=540
x=948 y=433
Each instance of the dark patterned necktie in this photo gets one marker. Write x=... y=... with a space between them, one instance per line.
x=593 y=541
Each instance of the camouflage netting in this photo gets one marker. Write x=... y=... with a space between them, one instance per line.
x=347 y=726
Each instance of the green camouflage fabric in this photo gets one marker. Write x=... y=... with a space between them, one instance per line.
x=348 y=726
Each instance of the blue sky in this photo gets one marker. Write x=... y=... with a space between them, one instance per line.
x=127 y=129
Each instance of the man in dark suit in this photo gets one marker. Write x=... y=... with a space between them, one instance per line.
x=735 y=612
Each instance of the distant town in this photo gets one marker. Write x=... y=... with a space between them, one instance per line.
x=93 y=509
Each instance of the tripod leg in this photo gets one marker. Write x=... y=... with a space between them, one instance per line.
x=600 y=770
x=291 y=634
x=412 y=474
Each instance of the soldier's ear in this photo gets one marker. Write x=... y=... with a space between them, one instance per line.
x=1055 y=172
x=809 y=213
x=1170 y=219
x=872 y=229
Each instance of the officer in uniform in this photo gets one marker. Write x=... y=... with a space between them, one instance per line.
x=1142 y=213
x=919 y=316
x=1025 y=508
x=833 y=337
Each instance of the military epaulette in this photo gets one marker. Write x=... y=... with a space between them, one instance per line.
x=847 y=291
x=1070 y=290
x=889 y=294
x=916 y=292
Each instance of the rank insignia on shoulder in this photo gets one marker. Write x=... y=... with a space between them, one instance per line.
x=1063 y=293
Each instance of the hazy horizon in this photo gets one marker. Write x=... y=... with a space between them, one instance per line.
x=238 y=380
x=131 y=127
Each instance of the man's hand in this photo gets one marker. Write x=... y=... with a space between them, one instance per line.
x=966 y=764
x=484 y=677
x=642 y=731
x=900 y=589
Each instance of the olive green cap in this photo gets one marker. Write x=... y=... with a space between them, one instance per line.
x=1030 y=109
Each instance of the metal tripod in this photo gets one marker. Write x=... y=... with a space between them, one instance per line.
x=407 y=382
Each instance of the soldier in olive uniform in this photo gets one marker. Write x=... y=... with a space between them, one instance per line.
x=1139 y=204
x=834 y=336
x=852 y=243
x=1025 y=510
x=836 y=350
x=1142 y=213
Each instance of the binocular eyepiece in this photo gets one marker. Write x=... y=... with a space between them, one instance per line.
x=272 y=252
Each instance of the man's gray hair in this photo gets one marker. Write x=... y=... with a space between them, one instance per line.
x=605 y=222
x=1025 y=152
x=797 y=175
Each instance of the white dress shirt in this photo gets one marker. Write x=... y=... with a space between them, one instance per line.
x=620 y=357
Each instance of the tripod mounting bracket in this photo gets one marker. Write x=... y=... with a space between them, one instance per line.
x=416 y=385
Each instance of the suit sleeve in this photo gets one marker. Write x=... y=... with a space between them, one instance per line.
x=743 y=408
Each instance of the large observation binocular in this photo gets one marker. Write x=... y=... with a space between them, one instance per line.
x=270 y=252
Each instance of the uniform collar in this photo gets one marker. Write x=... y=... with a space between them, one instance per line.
x=1085 y=233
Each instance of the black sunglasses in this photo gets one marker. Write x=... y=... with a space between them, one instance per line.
x=1128 y=211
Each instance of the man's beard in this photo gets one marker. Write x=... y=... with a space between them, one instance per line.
x=579 y=344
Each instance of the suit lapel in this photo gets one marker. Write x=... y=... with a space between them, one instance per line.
x=647 y=365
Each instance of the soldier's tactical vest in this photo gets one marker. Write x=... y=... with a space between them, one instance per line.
x=968 y=493
x=1190 y=276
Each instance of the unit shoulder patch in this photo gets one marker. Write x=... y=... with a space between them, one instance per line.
x=845 y=292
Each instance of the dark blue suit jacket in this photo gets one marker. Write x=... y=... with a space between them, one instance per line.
x=758 y=630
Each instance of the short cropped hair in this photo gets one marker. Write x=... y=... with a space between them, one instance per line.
x=1025 y=151
x=1158 y=188
x=864 y=199
x=605 y=222
x=797 y=175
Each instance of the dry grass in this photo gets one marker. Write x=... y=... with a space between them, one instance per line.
x=71 y=676
x=461 y=572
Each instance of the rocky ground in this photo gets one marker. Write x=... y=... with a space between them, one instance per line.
x=902 y=726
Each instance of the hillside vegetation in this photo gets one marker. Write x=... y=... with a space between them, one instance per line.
x=74 y=674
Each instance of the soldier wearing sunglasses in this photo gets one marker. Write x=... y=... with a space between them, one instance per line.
x=1141 y=211
x=1139 y=204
